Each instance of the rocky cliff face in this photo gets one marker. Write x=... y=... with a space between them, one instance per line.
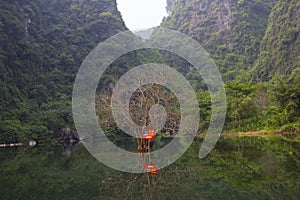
x=170 y=6
x=193 y=15
x=280 y=47
x=231 y=30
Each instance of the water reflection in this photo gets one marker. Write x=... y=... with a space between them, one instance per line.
x=68 y=141
x=238 y=168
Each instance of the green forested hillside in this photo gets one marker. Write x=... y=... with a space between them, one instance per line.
x=280 y=48
x=42 y=45
x=260 y=37
x=230 y=30
x=255 y=45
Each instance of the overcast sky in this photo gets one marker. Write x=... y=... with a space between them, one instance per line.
x=141 y=14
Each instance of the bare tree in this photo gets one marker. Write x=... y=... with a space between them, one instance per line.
x=140 y=103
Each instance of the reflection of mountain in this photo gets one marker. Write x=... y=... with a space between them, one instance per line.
x=239 y=168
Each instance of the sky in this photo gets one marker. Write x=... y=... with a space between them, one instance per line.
x=142 y=14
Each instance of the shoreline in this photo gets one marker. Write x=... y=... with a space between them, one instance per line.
x=262 y=133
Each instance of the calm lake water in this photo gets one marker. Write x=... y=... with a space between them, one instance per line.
x=237 y=168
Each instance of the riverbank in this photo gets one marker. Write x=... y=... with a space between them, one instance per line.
x=263 y=133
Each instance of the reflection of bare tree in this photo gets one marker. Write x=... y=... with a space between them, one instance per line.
x=68 y=140
x=142 y=186
x=140 y=105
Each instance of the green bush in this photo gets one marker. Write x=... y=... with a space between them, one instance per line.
x=291 y=128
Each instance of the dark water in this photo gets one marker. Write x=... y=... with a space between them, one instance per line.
x=238 y=168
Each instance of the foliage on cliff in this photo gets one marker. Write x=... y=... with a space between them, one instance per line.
x=280 y=47
x=42 y=45
x=251 y=42
x=230 y=30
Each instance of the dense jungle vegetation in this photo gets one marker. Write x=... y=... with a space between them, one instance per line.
x=255 y=45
